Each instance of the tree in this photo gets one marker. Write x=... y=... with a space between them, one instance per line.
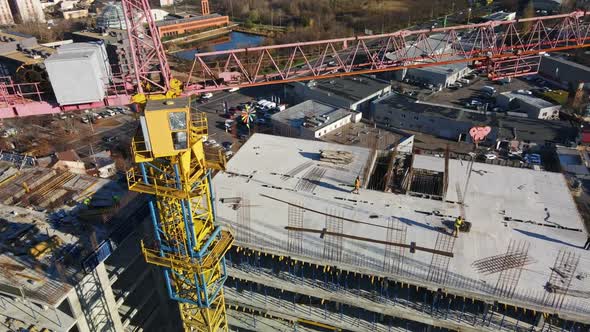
x=529 y=11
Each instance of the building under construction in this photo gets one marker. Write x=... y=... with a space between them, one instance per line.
x=70 y=257
x=310 y=255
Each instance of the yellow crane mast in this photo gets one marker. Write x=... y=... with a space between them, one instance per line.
x=173 y=166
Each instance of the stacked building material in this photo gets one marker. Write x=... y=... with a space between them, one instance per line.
x=336 y=157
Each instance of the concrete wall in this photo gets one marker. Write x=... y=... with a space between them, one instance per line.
x=330 y=128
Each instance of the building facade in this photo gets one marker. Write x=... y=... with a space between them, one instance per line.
x=312 y=256
x=397 y=112
x=439 y=76
x=171 y=28
x=5 y=13
x=28 y=10
x=533 y=107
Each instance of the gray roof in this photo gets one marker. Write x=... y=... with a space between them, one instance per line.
x=70 y=55
x=295 y=116
x=444 y=69
x=527 y=129
x=528 y=99
x=184 y=20
x=564 y=70
x=353 y=88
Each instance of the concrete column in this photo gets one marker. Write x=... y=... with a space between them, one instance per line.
x=77 y=311
x=95 y=303
x=103 y=276
x=539 y=321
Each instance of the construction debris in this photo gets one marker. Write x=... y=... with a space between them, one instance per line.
x=336 y=157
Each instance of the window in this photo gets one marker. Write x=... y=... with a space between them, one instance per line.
x=177 y=121
x=403 y=116
x=178 y=127
x=415 y=117
x=544 y=114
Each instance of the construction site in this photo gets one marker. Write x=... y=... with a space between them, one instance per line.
x=69 y=259
x=312 y=254
x=165 y=229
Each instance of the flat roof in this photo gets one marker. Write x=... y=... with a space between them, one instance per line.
x=100 y=36
x=186 y=20
x=16 y=35
x=294 y=116
x=447 y=69
x=353 y=88
x=528 y=99
x=24 y=58
x=270 y=173
x=527 y=129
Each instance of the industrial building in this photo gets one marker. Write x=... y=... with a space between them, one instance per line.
x=397 y=112
x=564 y=71
x=195 y=23
x=27 y=10
x=312 y=256
x=312 y=119
x=70 y=259
x=86 y=64
x=354 y=93
x=116 y=43
x=439 y=76
x=6 y=17
x=111 y=17
x=524 y=102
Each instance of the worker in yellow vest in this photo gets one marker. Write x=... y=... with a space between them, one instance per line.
x=458 y=224
x=357 y=186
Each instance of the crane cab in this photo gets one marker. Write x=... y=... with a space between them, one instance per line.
x=164 y=130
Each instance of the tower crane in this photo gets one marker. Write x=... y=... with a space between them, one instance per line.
x=173 y=167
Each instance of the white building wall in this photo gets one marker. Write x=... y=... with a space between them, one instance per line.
x=330 y=128
x=5 y=13
x=29 y=10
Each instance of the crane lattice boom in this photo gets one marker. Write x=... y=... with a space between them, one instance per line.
x=504 y=48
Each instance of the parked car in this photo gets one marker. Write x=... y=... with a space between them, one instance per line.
x=206 y=95
x=110 y=139
x=227 y=145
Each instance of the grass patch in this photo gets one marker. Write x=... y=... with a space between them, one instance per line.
x=557 y=96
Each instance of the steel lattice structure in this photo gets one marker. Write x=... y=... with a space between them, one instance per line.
x=188 y=245
x=503 y=48
x=150 y=66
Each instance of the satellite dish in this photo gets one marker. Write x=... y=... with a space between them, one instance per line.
x=479 y=133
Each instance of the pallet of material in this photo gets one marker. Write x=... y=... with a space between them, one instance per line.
x=336 y=157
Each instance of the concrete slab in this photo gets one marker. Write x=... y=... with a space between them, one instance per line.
x=542 y=211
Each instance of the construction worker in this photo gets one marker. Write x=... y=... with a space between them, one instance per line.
x=87 y=201
x=458 y=224
x=357 y=186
